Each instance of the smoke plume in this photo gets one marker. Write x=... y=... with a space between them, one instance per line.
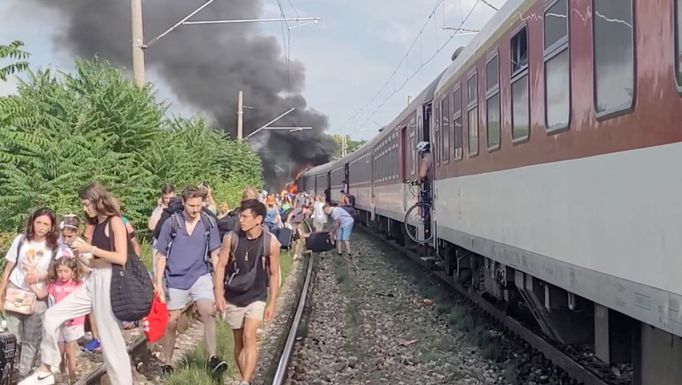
x=206 y=66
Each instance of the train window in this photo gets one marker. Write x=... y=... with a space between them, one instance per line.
x=520 y=110
x=557 y=75
x=492 y=104
x=519 y=51
x=472 y=121
x=678 y=42
x=435 y=147
x=557 y=91
x=445 y=129
x=491 y=74
x=613 y=56
x=473 y=131
x=411 y=148
x=457 y=123
x=556 y=23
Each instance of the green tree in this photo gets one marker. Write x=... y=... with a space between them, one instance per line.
x=14 y=52
x=62 y=131
x=351 y=144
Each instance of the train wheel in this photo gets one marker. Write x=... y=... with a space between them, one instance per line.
x=416 y=224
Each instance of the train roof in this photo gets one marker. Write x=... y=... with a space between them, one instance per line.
x=501 y=20
x=321 y=169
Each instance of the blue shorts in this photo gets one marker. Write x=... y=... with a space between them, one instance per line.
x=343 y=232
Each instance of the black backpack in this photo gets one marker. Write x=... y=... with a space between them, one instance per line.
x=350 y=210
x=228 y=223
x=175 y=206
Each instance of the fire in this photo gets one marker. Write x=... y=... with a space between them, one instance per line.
x=292 y=187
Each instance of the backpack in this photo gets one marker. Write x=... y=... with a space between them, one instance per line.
x=208 y=223
x=131 y=291
x=351 y=211
x=285 y=214
x=240 y=283
x=228 y=223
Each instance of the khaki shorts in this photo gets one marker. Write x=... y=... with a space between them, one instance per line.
x=235 y=315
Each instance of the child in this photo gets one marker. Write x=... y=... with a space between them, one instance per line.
x=64 y=279
x=70 y=227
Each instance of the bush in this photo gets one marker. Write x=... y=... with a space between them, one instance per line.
x=62 y=131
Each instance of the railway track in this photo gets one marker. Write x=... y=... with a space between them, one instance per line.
x=569 y=365
x=140 y=355
x=277 y=373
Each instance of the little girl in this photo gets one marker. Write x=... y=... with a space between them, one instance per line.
x=70 y=228
x=64 y=279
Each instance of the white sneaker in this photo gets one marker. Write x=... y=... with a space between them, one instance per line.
x=38 y=378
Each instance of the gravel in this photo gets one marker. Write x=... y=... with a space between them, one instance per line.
x=370 y=324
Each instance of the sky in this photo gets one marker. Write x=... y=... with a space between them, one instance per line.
x=349 y=56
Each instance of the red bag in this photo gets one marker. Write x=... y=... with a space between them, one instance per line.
x=157 y=320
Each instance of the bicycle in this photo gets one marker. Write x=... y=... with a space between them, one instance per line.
x=418 y=217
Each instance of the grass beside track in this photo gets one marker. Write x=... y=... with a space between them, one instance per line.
x=192 y=368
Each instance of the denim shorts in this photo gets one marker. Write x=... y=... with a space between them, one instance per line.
x=343 y=232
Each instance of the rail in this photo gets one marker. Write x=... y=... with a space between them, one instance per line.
x=285 y=358
x=139 y=354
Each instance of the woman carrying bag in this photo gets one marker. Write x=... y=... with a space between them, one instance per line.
x=27 y=263
x=109 y=246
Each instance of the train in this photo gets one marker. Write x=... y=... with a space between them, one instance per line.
x=555 y=135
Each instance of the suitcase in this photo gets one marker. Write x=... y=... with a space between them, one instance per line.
x=319 y=242
x=9 y=357
x=285 y=236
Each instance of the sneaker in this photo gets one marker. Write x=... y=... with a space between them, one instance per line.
x=38 y=378
x=166 y=370
x=216 y=365
x=92 y=346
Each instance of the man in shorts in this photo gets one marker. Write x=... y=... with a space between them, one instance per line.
x=188 y=247
x=243 y=299
x=342 y=228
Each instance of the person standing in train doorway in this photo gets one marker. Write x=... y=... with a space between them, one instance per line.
x=425 y=179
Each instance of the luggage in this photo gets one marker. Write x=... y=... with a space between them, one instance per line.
x=285 y=237
x=319 y=242
x=9 y=357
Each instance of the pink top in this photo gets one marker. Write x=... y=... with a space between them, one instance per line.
x=58 y=291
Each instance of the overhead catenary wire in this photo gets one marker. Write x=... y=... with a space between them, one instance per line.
x=425 y=63
x=398 y=66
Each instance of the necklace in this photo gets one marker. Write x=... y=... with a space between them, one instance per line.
x=246 y=256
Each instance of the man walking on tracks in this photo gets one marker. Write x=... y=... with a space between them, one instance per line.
x=188 y=245
x=249 y=259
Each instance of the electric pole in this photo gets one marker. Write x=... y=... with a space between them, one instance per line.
x=138 y=42
x=344 y=145
x=240 y=116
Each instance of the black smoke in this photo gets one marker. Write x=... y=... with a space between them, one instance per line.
x=206 y=66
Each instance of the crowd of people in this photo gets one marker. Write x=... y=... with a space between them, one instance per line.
x=57 y=276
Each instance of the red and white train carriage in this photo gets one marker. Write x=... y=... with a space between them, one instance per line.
x=556 y=135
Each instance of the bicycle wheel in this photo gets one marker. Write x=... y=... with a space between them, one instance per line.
x=416 y=224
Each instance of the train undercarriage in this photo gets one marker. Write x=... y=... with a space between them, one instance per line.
x=559 y=316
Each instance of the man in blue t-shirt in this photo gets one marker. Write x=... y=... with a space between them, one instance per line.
x=342 y=228
x=188 y=247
